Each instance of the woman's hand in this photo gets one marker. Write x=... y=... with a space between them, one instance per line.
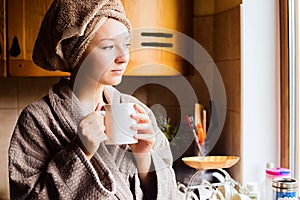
x=91 y=132
x=141 y=150
x=146 y=135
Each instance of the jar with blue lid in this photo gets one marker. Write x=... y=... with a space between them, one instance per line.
x=271 y=174
x=285 y=188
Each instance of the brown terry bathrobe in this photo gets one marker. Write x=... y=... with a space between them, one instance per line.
x=46 y=162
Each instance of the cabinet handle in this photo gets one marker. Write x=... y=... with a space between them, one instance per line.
x=15 y=48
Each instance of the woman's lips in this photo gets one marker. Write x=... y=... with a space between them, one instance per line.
x=117 y=71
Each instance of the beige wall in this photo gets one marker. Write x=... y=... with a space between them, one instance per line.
x=15 y=94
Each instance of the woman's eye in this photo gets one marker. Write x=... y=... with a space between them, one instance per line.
x=127 y=45
x=108 y=47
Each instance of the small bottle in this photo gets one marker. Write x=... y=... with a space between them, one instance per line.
x=266 y=192
x=252 y=191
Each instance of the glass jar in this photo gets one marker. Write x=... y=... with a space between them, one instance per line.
x=284 y=188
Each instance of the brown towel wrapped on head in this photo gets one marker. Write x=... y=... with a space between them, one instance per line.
x=67 y=29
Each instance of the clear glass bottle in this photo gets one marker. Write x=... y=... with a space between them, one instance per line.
x=266 y=189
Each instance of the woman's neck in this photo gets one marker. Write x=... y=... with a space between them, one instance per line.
x=89 y=92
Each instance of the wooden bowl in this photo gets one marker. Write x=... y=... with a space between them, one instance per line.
x=211 y=162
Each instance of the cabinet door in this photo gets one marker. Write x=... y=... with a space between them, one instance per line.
x=23 y=23
x=155 y=44
x=2 y=38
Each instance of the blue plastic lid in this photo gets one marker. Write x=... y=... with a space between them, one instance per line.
x=279 y=171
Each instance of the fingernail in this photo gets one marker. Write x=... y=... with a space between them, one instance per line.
x=133 y=115
x=136 y=136
x=134 y=126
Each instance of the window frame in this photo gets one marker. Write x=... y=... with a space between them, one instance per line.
x=284 y=84
x=290 y=87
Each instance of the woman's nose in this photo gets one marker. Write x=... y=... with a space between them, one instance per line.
x=122 y=58
x=122 y=55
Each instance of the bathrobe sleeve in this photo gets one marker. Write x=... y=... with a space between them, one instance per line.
x=162 y=162
x=41 y=167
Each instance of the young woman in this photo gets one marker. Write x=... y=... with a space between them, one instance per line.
x=58 y=149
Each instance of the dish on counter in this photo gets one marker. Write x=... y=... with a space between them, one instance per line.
x=211 y=162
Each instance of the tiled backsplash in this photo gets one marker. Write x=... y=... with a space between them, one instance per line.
x=220 y=36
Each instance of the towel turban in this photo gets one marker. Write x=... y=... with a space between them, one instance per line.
x=67 y=29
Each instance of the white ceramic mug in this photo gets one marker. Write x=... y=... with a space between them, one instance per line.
x=118 y=123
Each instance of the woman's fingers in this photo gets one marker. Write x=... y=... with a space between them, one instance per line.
x=140 y=118
x=91 y=131
x=139 y=108
x=143 y=136
x=91 y=118
x=146 y=135
x=140 y=126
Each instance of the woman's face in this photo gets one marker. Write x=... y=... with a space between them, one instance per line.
x=107 y=55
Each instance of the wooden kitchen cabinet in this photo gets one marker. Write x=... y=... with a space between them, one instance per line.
x=18 y=36
x=21 y=19
x=209 y=7
x=2 y=39
x=155 y=44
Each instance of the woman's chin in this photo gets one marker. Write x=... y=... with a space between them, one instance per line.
x=113 y=81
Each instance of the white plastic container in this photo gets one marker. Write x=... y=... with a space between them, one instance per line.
x=271 y=174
